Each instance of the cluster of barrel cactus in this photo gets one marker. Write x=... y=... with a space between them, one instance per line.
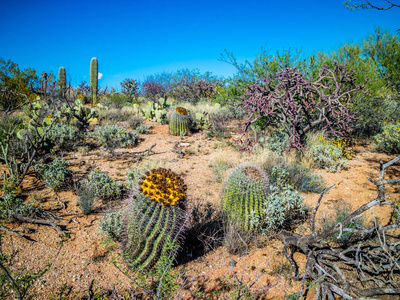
x=153 y=216
x=244 y=192
x=179 y=122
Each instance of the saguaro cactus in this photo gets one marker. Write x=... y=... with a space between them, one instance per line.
x=62 y=81
x=244 y=192
x=153 y=216
x=94 y=75
x=179 y=122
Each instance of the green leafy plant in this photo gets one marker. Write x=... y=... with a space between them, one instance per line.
x=54 y=174
x=111 y=225
x=112 y=136
x=330 y=154
x=104 y=186
x=64 y=136
x=244 y=192
x=388 y=140
x=283 y=205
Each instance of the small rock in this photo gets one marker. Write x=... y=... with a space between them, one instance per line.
x=232 y=263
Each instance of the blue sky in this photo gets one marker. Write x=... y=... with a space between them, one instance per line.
x=132 y=39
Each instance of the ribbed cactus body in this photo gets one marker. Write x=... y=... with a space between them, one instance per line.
x=179 y=122
x=151 y=218
x=94 y=76
x=245 y=191
x=62 y=81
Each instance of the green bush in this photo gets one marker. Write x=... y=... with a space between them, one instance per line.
x=278 y=141
x=86 y=195
x=111 y=225
x=388 y=140
x=113 y=136
x=104 y=186
x=64 y=136
x=330 y=154
x=283 y=205
x=54 y=174
x=295 y=174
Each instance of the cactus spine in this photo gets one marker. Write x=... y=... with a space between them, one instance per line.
x=62 y=81
x=244 y=192
x=179 y=122
x=94 y=75
x=153 y=217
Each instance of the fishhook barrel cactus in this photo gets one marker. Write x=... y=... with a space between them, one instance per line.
x=244 y=192
x=154 y=215
x=179 y=122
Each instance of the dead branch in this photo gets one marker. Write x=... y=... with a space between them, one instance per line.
x=344 y=270
x=146 y=150
x=35 y=221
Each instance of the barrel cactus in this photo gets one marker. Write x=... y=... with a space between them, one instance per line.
x=154 y=216
x=244 y=192
x=179 y=122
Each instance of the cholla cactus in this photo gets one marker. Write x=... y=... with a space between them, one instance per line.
x=154 y=214
x=179 y=122
x=244 y=192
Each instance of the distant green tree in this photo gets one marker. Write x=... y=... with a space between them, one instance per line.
x=16 y=86
x=130 y=89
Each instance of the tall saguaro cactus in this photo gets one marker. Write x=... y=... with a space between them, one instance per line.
x=62 y=81
x=94 y=75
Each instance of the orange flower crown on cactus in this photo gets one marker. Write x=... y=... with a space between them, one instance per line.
x=163 y=186
x=181 y=111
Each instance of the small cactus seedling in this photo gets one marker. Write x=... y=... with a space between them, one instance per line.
x=179 y=122
x=153 y=216
x=244 y=192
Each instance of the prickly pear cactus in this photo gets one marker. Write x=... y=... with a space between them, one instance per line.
x=154 y=215
x=244 y=192
x=156 y=111
x=179 y=122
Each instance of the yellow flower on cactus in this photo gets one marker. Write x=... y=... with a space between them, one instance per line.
x=163 y=186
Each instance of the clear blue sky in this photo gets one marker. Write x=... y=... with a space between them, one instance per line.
x=132 y=39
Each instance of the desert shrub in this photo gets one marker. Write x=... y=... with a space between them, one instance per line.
x=330 y=154
x=137 y=123
x=388 y=140
x=115 y=100
x=11 y=203
x=278 y=141
x=219 y=168
x=295 y=174
x=64 y=136
x=112 y=136
x=104 y=186
x=282 y=206
x=54 y=174
x=86 y=195
x=111 y=225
